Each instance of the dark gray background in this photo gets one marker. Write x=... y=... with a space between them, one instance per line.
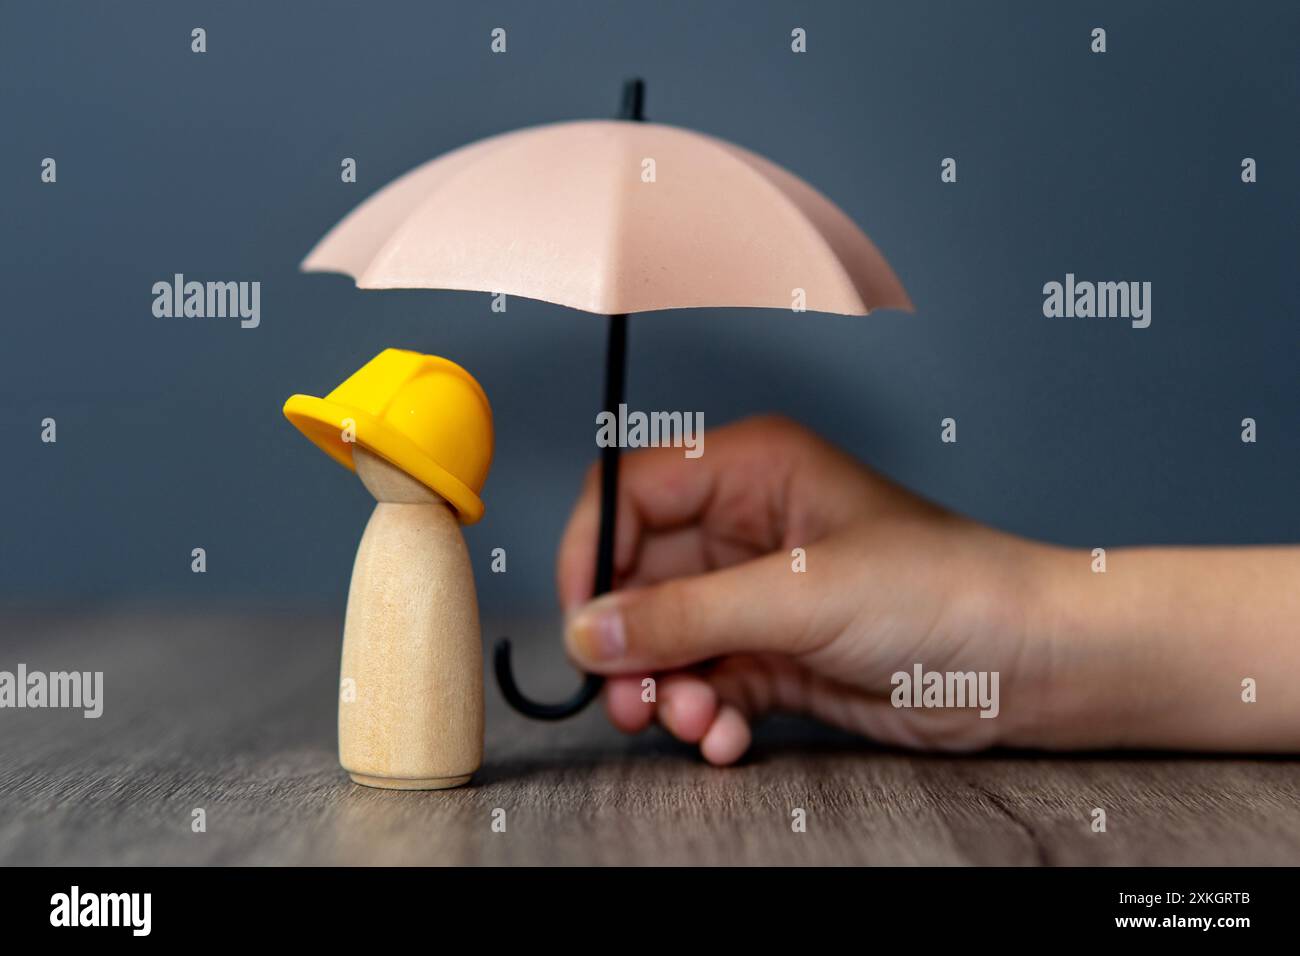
x=226 y=166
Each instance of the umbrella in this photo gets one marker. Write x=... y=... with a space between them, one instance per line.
x=611 y=217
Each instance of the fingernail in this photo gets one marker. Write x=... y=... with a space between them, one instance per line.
x=596 y=631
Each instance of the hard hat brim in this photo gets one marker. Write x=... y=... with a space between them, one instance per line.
x=322 y=421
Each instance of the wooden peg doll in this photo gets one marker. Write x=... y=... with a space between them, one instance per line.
x=417 y=430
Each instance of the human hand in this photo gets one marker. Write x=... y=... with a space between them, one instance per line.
x=710 y=604
x=1154 y=653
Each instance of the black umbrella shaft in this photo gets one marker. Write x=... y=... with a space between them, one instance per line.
x=633 y=100
x=615 y=383
x=615 y=376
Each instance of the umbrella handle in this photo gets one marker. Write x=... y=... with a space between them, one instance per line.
x=588 y=692
x=615 y=371
x=615 y=375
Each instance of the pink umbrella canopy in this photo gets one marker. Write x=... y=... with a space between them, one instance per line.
x=611 y=217
x=564 y=213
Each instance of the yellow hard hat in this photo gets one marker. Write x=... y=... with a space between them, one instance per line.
x=424 y=414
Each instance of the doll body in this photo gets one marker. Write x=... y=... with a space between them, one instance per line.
x=411 y=642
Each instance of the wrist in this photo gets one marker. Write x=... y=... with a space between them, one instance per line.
x=1018 y=603
x=1088 y=654
x=1158 y=650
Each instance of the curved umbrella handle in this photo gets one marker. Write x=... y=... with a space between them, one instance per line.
x=615 y=373
x=530 y=708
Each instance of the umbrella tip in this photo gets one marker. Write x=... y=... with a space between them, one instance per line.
x=633 y=99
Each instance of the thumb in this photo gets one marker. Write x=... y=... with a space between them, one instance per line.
x=758 y=606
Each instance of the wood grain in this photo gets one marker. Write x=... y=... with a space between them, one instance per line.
x=235 y=714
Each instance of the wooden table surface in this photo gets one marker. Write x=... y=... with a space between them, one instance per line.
x=234 y=714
